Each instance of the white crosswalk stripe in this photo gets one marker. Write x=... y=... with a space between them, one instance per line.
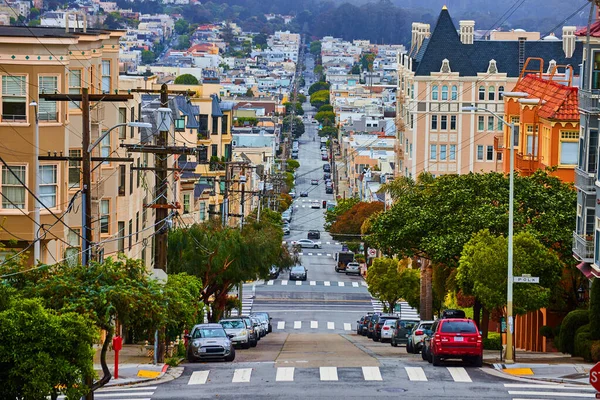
x=241 y=375
x=298 y=283
x=313 y=283
x=331 y=325
x=372 y=374
x=120 y=393
x=198 y=378
x=459 y=374
x=354 y=284
x=327 y=283
x=347 y=326
x=285 y=374
x=340 y=283
x=270 y=283
x=328 y=373
x=415 y=373
x=377 y=305
x=542 y=390
x=314 y=324
x=297 y=324
x=281 y=325
x=284 y=282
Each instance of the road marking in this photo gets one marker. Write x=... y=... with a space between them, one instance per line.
x=328 y=373
x=297 y=324
x=347 y=327
x=281 y=325
x=354 y=284
x=327 y=242
x=198 y=378
x=313 y=283
x=128 y=389
x=298 y=283
x=319 y=254
x=285 y=374
x=340 y=283
x=328 y=254
x=552 y=394
x=241 y=375
x=415 y=373
x=542 y=386
x=459 y=374
x=300 y=254
x=310 y=254
x=124 y=394
x=284 y=282
x=270 y=283
x=518 y=371
x=331 y=325
x=363 y=283
x=314 y=324
x=327 y=283
x=371 y=373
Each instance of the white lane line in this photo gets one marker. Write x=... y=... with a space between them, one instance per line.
x=310 y=254
x=331 y=325
x=300 y=254
x=347 y=326
x=198 y=378
x=328 y=254
x=297 y=324
x=459 y=374
x=327 y=283
x=328 y=373
x=415 y=373
x=285 y=374
x=363 y=283
x=314 y=324
x=270 y=283
x=327 y=242
x=552 y=394
x=298 y=283
x=124 y=394
x=340 y=283
x=354 y=284
x=121 y=389
x=542 y=386
x=241 y=375
x=313 y=283
x=284 y=282
x=372 y=373
x=281 y=325
x=319 y=254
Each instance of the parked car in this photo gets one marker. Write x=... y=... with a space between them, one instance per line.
x=265 y=319
x=254 y=333
x=257 y=327
x=307 y=243
x=286 y=216
x=452 y=313
x=286 y=230
x=417 y=336
x=371 y=325
x=315 y=204
x=353 y=268
x=304 y=193
x=314 y=234
x=326 y=168
x=360 y=324
x=455 y=338
x=387 y=330
x=298 y=273
x=292 y=194
x=324 y=157
x=314 y=181
x=209 y=342
x=326 y=176
x=401 y=331
x=239 y=331
x=377 y=328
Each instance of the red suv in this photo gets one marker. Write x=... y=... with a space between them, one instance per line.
x=456 y=338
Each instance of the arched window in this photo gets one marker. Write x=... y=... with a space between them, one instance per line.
x=491 y=93
x=454 y=95
x=444 y=92
x=434 y=92
x=482 y=93
x=500 y=92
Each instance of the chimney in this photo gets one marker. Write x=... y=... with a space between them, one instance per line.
x=568 y=37
x=420 y=31
x=467 y=31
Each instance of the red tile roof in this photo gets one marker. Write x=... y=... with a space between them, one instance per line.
x=594 y=30
x=561 y=102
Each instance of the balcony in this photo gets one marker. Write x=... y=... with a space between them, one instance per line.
x=498 y=143
x=526 y=164
x=584 y=181
x=97 y=113
x=583 y=247
x=589 y=101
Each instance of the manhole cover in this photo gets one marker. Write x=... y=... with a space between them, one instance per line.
x=392 y=390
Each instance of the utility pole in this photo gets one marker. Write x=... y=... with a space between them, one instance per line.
x=36 y=167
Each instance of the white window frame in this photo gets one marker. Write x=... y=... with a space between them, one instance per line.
x=49 y=189
x=105 y=79
x=9 y=206
x=52 y=115
x=104 y=216
x=75 y=89
x=433 y=152
x=25 y=96
x=480 y=152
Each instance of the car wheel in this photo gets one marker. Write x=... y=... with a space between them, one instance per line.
x=369 y=335
x=253 y=343
x=478 y=361
x=437 y=361
x=429 y=357
x=246 y=345
x=231 y=356
x=393 y=343
x=190 y=357
x=270 y=328
x=316 y=246
x=337 y=269
x=424 y=355
x=375 y=338
x=415 y=349
x=409 y=347
x=347 y=274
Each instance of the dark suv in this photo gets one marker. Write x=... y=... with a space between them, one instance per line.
x=314 y=234
x=371 y=324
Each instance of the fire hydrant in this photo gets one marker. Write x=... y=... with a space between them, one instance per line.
x=117 y=344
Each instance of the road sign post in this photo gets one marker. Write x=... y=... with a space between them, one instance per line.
x=595 y=377
x=526 y=279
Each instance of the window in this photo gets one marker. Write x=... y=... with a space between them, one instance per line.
x=215 y=126
x=122 y=120
x=224 y=124
x=180 y=124
x=105 y=76
x=130 y=236
x=444 y=92
x=452 y=155
x=568 y=147
x=500 y=125
x=433 y=152
x=481 y=93
x=499 y=156
x=122 y=173
x=530 y=148
x=137 y=226
x=500 y=92
x=453 y=122
x=138 y=173
x=132 y=116
x=214 y=150
x=491 y=124
x=490 y=153
x=14 y=92
x=434 y=92
x=74 y=169
x=72 y=251
x=186 y=203
x=434 y=122
x=74 y=85
x=491 y=93
x=479 y=152
x=480 y=122
x=596 y=71
x=105 y=148
x=105 y=216
x=131 y=175
x=515 y=121
x=444 y=123
x=121 y=236
x=454 y=93
x=443 y=152
x=12 y=190
x=48 y=185
x=47 y=109
x=202 y=211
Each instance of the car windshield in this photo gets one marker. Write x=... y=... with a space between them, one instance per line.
x=389 y=322
x=408 y=324
x=425 y=326
x=208 y=333
x=236 y=324
x=458 y=327
x=298 y=269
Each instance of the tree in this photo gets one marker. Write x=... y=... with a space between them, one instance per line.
x=185 y=303
x=181 y=26
x=350 y=221
x=390 y=281
x=318 y=71
x=318 y=86
x=340 y=208
x=148 y=57
x=326 y=107
x=328 y=131
x=34 y=22
x=326 y=118
x=183 y=42
x=186 y=79
x=298 y=127
x=292 y=165
x=249 y=93
x=366 y=61
x=355 y=69
x=301 y=98
x=315 y=47
x=227 y=34
x=34 y=13
x=319 y=99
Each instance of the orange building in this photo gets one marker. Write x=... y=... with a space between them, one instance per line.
x=548 y=122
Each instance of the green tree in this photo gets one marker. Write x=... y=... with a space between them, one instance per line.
x=315 y=48
x=318 y=86
x=328 y=131
x=148 y=57
x=355 y=69
x=326 y=107
x=186 y=79
x=292 y=165
x=366 y=61
x=319 y=99
x=34 y=13
x=249 y=93
x=342 y=206
x=181 y=26
x=318 y=71
x=183 y=42
x=34 y=22
x=390 y=281
x=184 y=303
x=326 y=118
x=227 y=34
x=298 y=126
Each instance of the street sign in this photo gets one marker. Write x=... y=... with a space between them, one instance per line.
x=372 y=252
x=595 y=377
x=526 y=279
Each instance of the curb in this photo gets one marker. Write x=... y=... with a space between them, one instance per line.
x=493 y=370
x=167 y=374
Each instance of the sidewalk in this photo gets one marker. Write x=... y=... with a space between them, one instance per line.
x=135 y=366
x=549 y=367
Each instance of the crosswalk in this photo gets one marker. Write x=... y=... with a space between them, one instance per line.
x=247 y=302
x=531 y=391
x=328 y=374
x=285 y=282
x=334 y=243
x=314 y=325
x=406 y=311
x=120 y=393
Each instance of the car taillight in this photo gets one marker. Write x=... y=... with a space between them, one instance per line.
x=478 y=339
x=385 y=328
x=418 y=332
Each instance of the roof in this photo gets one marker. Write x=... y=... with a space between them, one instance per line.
x=594 y=30
x=43 y=31
x=470 y=59
x=199 y=188
x=216 y=109
x=561 y=102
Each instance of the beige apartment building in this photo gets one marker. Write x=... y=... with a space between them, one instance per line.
x=447 y=69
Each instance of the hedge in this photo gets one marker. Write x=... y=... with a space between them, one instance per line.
x=583 y=343
x=595 y=310
x=596 y=351
x=493 y=341
x=572 y=322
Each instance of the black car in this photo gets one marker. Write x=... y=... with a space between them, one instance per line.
x=326 y=168
x=326 y=176
x=361 y=324
x=371 y=324
x=314 y=234
x=273 y=272
x=298 y=273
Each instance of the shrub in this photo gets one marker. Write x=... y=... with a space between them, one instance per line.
x=547 y=332
x=493 y=341
x=595 y=310
x=181 y=349
x=583 y=343
x=572 y=322
x=595 y=351
x=172 y=362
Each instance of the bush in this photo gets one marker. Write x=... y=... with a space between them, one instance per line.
x=595 y=310
x=172 y=362
x=493 y=341
x=572 y=322
x=583 y=343
x=595 y=351
x=181 y=349
x=547 y=332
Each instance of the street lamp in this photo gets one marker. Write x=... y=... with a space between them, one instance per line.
x=128 y=124
x=509 y=359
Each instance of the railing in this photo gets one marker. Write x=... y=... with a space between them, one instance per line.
x=583 y=247
x=498 y=143
x=589 y=101
x=13 y=118
x=97 y=113
x=584 y=181
x=527 y=164
x=203 y=135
